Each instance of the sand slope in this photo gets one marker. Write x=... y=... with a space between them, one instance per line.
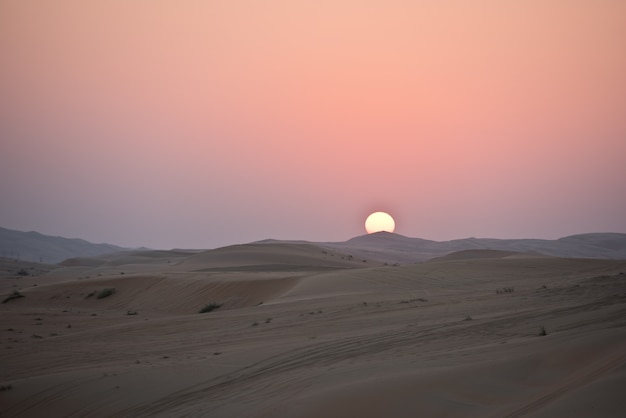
x=304 y=332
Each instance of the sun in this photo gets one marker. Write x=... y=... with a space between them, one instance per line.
x=379 y=221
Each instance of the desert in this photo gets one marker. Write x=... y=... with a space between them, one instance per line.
x=298 y=209
x=296 y=329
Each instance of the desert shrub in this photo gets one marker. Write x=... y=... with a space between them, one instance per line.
x=23 y=272
x=105 y=293
x=210 y=307
x=14 y=295
x=413 y=300
x=505 y=290
x=542 y=331
x=5 y=387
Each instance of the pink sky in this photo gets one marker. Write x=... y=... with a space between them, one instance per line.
x=206 y=123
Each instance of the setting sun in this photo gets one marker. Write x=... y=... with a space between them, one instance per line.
x=379 y=221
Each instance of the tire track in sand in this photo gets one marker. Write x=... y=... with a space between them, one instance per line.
x=589 y=377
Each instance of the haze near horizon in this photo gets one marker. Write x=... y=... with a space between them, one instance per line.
x=211 y=123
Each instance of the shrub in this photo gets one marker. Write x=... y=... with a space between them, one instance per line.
x=543 y=331
x=210 y=307
x=14 y=295
x=505 y=290
x=105 y=293
x=413 y=300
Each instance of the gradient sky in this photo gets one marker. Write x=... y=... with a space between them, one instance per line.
x=206 y=123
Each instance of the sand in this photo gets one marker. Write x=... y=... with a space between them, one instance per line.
x=305 y=331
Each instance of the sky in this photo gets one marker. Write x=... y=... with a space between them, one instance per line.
x=198 y=124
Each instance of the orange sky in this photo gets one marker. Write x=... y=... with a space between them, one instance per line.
x=205 y=123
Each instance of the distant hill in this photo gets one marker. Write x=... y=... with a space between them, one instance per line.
x=381 y=246
x=33 y=246
x=392 y=247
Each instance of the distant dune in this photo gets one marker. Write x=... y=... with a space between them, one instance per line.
x=394 y=248
x=382 y=246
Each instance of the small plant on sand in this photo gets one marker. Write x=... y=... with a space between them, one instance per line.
x=413 y=300
x=5 y=387
x=543 y=332
x=505 y=290
x=210 y=307
x=105 y=293
x=467 y=318
x=14 y=295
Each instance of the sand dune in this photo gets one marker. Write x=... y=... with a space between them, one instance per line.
x=126 y=258
x=171 y=294
x=260 y=256
x=304 y=331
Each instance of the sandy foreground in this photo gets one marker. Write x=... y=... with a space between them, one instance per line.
x=304 y=331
